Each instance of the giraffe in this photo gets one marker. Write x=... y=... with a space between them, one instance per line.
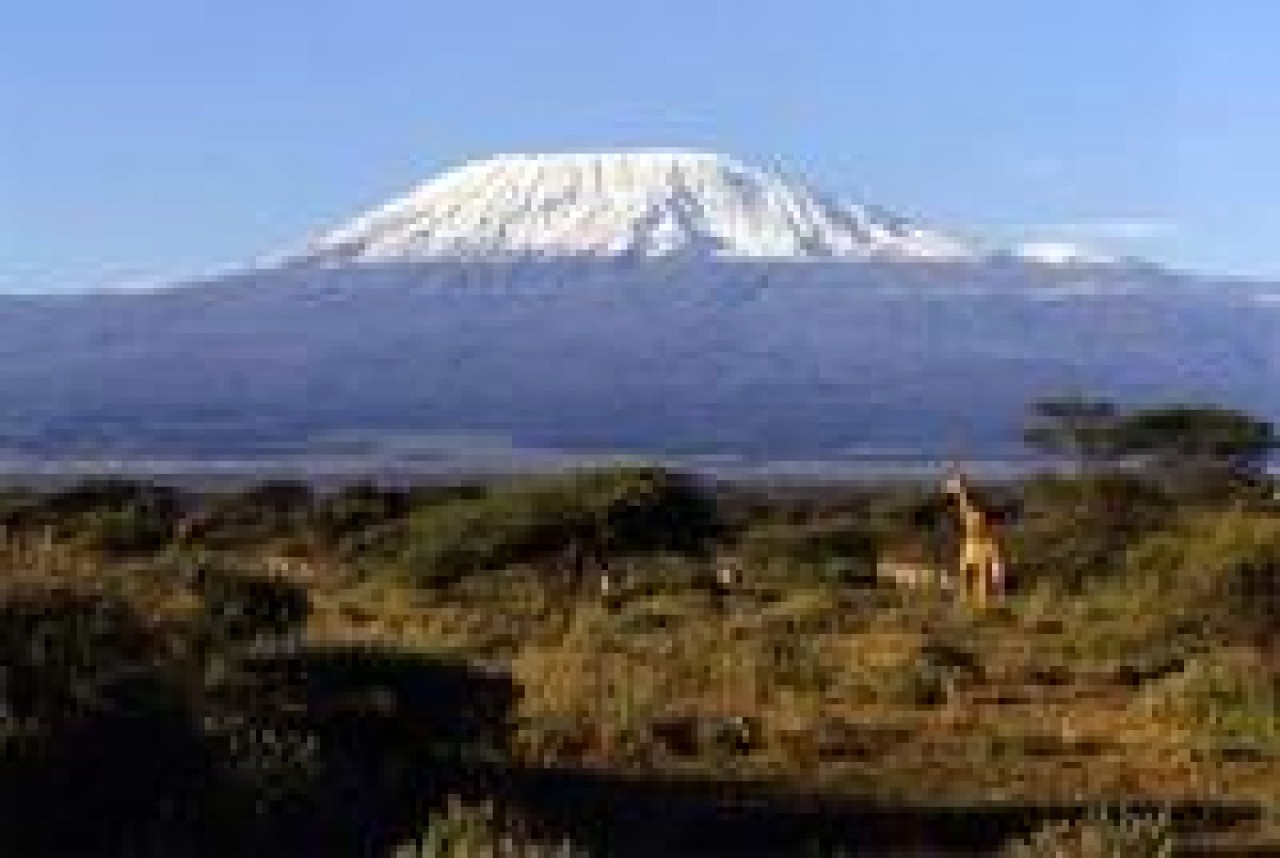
x=982 y=560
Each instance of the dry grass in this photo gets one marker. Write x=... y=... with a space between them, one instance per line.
x=846 y=689
x=1045 y=717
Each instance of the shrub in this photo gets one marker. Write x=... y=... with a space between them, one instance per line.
x=1073 y=530
x=128 y=530
x=918 y=683
x=1226 y=699
x=463 y=536
x=920 y=679
x=19 y=507
x=465 y=830
x=243 y=606
x=1222 y=569
x=833 y=551
x=639 y=510
x=259 y=514
x=61 y=651
x=96 y=729
x=609 y=513
x=109 y=517
x=1104 y=834
x=98 y=494
x=354 y=510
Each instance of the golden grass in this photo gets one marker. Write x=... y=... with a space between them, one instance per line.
x=796 y=659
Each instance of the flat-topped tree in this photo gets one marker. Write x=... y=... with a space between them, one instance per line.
x=1192 y=444
x=1200 y=451
x=1199 y=434
x=1077 y=428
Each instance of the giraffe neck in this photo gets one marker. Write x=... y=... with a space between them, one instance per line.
x=972 y=516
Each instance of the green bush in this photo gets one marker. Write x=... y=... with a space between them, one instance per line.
x=355 y=509
x=98 y=494
x=266 y=512
x=110 y=517
x=455 y=538
x=1222 y=569
x=598 y=514
x=128 y=530
x=835 y=551
x=1074 y=530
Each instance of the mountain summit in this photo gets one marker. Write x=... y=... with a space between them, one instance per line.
x=644 y=204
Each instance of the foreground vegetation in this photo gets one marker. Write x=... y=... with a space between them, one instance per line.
x=629 y=662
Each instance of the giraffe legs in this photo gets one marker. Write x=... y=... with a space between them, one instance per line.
x=981 y=583
x=974 y=583
x=996 y=577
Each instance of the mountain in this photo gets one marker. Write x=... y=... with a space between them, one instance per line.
x=637 y=205
x=643 y=302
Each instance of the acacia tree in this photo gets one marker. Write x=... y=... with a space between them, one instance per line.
x=1189 y=448
x=1200 y=452
x=1200 y=436
x=1076 y=428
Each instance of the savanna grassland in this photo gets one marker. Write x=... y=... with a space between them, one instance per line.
x=634 y=662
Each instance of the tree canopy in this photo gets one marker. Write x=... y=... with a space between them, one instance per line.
x=1092 y=431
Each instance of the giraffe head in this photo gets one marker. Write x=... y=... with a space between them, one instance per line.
x=954 y=484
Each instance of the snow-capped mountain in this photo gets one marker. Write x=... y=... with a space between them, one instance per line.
x=639 y=302
x=667 y=204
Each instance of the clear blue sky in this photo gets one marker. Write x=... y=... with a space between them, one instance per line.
x=150 y=138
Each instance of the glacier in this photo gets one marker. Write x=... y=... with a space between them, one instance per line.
x=642 y=204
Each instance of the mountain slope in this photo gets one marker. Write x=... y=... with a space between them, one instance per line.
x=765 y=359
x=641 y=302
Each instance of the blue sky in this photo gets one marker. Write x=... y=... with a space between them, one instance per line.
x=145 y=139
